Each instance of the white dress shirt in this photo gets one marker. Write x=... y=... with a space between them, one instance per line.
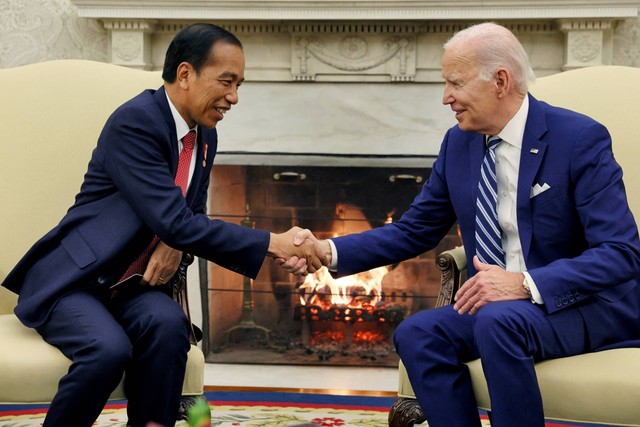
x=182 y=128
x=507 y=170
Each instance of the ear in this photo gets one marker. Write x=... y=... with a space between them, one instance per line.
x=503 y=82
x=184 y=73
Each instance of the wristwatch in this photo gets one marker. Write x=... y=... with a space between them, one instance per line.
x=527 y=287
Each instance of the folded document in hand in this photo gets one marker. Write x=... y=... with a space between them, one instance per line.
x=128 y=282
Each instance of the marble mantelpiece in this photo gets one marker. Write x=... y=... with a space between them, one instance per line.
x=305 y=10
x=360 y=40
x=382 y=59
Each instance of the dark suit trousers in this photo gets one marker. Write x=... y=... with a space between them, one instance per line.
x=508 y=337
x=144 y=335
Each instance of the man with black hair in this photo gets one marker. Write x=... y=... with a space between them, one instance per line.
x=140 y=206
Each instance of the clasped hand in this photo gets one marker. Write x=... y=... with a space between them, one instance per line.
x=298 y=251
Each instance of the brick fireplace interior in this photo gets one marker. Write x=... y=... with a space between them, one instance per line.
x=278 y=318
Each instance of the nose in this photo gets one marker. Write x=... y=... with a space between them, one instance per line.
x=232 y=95
x=447 y=98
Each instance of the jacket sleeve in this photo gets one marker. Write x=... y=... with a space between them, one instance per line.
x=420 y=228
x=137 y=155
x=605 y=232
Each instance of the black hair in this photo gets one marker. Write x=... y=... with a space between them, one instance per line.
x=193 y=44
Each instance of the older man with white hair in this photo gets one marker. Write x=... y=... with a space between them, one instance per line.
x=552 y=248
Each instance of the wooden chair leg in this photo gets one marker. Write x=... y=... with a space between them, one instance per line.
x=405 y=412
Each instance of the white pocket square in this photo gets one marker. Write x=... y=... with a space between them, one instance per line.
x=538 y=189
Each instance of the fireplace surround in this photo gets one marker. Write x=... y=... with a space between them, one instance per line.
x=350 y=85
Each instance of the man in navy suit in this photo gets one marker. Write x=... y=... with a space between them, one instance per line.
x=129 y=196
x=572 y=255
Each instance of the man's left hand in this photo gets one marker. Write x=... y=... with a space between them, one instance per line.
x=491 y=283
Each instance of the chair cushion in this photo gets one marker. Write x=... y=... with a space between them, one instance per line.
x=601 y=387
x=30 y=368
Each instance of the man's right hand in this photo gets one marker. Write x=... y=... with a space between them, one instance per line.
x=297 y=266
x=300 y=259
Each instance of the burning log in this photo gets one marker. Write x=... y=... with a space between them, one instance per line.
x=315 y=313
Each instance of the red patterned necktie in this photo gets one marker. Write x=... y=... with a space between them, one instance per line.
x=182 y=174
x=182 y=179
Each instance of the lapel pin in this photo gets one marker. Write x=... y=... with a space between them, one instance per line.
x=534 y=151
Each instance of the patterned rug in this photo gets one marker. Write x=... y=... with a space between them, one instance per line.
x=253 y=409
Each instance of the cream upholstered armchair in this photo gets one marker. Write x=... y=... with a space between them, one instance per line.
x=602 y=387
x=51 y=115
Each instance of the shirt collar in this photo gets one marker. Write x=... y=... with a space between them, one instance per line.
x=182 y=128
x=513 y=132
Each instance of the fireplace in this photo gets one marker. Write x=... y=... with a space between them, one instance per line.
x=279 y=318
x=361 y=80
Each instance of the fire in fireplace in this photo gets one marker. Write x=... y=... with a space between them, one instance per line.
x=279 y=318
x=349 y=314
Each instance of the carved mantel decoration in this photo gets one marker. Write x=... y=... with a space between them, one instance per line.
x=356 y=50
x=361 y=40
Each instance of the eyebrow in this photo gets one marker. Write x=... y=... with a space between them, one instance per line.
x=454 y=77
x=229 y=74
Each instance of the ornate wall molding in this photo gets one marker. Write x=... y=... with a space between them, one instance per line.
x=588 y=42
x=316 y=40
x=131 y=42
x=41 y=30
x=559 y=35
x=626 y=43
x=353 y=55
x=309 y=10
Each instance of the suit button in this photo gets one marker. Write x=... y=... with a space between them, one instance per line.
x=558 y=303
x=101 y=280
x=565 y=301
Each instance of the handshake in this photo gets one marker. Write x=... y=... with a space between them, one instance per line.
x=299 y=252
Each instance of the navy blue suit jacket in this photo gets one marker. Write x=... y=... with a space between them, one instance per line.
x=128 y=196
x=579 y=238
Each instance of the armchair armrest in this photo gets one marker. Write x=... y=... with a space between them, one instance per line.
x=453 y=265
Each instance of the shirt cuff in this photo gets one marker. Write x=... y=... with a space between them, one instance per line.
x=333 y=267
x=535 y=293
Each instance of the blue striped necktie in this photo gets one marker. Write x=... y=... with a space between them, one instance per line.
x=488 y=232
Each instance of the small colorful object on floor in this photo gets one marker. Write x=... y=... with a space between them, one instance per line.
x=199 y=415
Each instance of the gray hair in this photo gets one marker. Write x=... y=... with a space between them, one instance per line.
x=496 y=47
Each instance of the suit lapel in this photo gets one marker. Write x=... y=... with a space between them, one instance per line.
x=160 y=97
x=531 y=157
x=477 y=147
x=200 y=167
